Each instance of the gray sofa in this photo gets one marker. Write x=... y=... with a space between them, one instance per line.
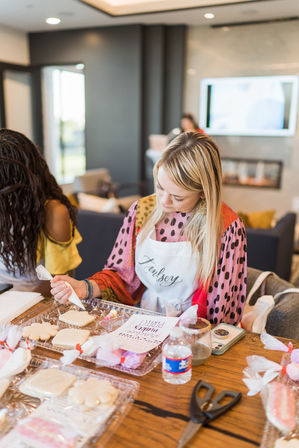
x=283 y=320
x=272 y=249
x=99 y=231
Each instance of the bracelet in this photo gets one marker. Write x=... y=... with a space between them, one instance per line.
x=89 y=289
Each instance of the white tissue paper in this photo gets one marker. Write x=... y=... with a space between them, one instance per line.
x=271 y=343
x=18 y=362
x=89 y=348
x=13 y=336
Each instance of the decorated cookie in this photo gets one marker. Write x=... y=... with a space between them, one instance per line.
x=40 y=331
x=70 y=337
x=38 y=432
x=93 y=392
x=47 y=383
x=77 y=318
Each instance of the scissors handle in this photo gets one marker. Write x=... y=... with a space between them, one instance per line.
x=215 y=409
x=197 y=403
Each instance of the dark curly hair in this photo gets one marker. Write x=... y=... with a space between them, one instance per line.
x=25 y=185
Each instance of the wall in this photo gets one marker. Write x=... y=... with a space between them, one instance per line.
x=125 y=88
x=18 y=103
x=14 y=46
x=251 y=50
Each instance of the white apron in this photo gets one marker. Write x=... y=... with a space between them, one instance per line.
x=167 y=270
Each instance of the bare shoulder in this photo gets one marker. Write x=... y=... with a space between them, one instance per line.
x=57 y=221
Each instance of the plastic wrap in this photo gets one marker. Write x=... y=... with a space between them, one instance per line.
x=30 y=419
x=117 y=315
x=280 y=397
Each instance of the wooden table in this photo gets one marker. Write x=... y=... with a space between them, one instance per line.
x=159 y=414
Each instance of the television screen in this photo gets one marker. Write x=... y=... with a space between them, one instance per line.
x=262 y=105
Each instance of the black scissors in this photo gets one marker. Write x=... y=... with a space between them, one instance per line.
x=203 y=409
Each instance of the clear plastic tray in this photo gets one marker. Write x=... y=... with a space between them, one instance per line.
x=100 y=308
x=93 y=425
x=271 y=435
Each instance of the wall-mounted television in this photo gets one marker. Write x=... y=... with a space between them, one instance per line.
x=256 y=105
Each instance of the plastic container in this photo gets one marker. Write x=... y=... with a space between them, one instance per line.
x=101 y=309
x=198 y=334
x=176 y=358
x=84 y=427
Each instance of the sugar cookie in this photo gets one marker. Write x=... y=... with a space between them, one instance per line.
x=42 y=331
x=70 y=337
x=77 y=318
x=47 y=382
x=93 y=392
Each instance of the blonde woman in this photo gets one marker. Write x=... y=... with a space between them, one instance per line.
x=179 y=247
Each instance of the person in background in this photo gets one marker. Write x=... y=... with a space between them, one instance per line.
x=188 y=123
x=37 y=221
x=179 y=247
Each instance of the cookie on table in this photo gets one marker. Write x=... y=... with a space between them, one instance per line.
x=92 y=392
x=77 y=318
x=68 y=338
x=47 y=383
x=40 y=331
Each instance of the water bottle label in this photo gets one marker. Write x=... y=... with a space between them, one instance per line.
x=176 y=366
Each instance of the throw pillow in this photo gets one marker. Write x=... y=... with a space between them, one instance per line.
x=97 y=204
x=258 y=220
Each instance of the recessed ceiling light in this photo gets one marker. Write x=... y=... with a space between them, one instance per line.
x=53 y=20
x=209 y=15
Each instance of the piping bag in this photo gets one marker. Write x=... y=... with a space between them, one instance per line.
x=44 y=274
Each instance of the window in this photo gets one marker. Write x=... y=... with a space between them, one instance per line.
x=64 y=121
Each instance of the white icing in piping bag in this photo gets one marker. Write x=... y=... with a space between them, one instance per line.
x=44 y=274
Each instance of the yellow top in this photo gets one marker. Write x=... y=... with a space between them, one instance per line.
x=59 y=257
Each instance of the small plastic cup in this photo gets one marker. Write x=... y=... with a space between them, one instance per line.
x=198 y=334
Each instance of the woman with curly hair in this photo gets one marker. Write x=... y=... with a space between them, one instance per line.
x=37 y=221
x=179 y=247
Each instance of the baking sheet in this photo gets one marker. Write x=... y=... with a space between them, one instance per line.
x=94 y=425
x=100 y=308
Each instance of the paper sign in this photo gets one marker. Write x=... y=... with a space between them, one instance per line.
x=142 y=333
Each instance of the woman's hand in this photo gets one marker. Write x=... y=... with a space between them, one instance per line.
x=62 y=292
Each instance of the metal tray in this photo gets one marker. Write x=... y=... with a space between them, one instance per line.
x=94 y=425
x=100 y=308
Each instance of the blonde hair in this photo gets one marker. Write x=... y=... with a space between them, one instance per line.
x=192 y=161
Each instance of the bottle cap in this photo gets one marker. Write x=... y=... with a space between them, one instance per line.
x=176 y=332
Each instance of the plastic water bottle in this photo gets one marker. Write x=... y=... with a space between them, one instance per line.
x=176 y=358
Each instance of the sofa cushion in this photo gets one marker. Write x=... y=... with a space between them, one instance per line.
x=258 y=220
x=283 y=319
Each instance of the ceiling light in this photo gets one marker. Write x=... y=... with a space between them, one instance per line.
x=53 y=20
x=209 y=15
x=79 y=66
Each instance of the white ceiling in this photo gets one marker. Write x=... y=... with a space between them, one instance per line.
x=30 y=15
